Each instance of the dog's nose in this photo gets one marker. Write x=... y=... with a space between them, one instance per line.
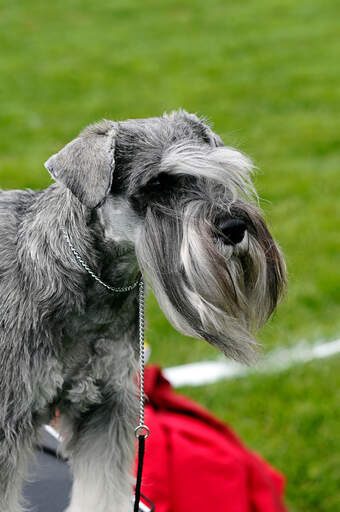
x=233 y=230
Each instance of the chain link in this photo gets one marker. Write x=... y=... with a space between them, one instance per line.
x=80 y=260
x=141 y=430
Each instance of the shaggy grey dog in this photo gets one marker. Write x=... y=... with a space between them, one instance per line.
x=161 y=196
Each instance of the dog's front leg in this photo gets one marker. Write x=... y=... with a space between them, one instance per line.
x=16 y=446
x=101 y=451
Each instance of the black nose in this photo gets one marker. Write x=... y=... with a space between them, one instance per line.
x=233 y=230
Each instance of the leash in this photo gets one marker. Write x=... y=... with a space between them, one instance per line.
x=141 y=431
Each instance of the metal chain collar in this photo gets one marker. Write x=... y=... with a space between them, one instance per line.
x=141 y=429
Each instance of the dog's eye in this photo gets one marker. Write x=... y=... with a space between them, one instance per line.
x=157 y=190
x=155 y=182
x=161 y=180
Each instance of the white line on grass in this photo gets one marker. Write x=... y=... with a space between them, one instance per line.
x=206 y=372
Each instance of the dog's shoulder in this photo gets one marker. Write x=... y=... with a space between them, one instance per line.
x=15 y=206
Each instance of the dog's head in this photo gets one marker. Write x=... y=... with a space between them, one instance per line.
x=170 y=188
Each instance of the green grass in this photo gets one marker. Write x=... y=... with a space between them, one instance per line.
x=267 y=74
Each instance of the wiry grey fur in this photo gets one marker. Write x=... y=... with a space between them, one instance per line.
x=68 y=343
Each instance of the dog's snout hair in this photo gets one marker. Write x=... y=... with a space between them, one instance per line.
x=161 y=196
x=207 y=289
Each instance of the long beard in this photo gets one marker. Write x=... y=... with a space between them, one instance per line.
x=206 y=289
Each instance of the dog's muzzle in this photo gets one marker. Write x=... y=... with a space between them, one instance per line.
x=210 y=279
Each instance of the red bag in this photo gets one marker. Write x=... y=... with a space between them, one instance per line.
x=195 y=463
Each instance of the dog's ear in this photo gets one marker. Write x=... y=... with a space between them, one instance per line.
x=85 y=165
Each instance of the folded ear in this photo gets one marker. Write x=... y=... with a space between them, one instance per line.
x=85 y=165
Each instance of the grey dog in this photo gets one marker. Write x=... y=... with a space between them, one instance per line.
x=163 y=197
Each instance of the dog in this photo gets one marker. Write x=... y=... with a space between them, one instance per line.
x=163 y=197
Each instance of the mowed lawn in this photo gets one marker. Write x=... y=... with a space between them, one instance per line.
x=267 y=75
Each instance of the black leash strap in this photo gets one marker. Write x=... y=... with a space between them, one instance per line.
x=141 y=451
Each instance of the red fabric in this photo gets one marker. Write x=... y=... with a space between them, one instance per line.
x=193 y=462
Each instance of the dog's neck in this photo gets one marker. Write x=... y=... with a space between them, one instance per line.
x=55 y=209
